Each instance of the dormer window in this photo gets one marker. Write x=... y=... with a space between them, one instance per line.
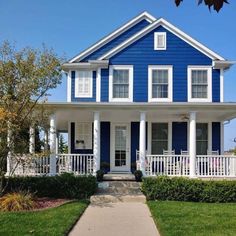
x=83 y=84
x=160 y=41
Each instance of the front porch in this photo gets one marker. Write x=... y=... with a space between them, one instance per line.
x=158 y=139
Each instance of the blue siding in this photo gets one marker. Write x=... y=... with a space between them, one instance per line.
x=105 y=143
x=178 y=53
x=104 y=85
x=216 y=136
x=179 y=136
x=73 y=150
x=116 y=41
x=216 y=85
x=73 y=98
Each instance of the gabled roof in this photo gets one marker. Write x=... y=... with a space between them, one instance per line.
x=169 y=27
x=143 y=16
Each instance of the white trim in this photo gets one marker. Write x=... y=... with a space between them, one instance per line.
x=156 y=35
x=209 y=84
x=131 y=73
x=170 y=83
x=192 y=144
x=222 y=139
x=221 y=85
x=142 y=141
x=69 y=86
x=209 y=136
x=98 y=85
x=112 y=148
x=90 y=93
x=145 y=15
x=96 y=141
x=173 y=30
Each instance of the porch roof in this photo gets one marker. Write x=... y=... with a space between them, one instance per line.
x=176 y=111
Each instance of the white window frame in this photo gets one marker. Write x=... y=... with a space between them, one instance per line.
x=90 y=92
x=89 y=134
x=209 y=83
x=121 y=67
x=170 y=83
x=156 y=35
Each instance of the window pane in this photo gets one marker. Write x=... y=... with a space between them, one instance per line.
x=199 y=91
x=160 y=84
x=202 y=138
x=120 y=83
x=199 y=76
x=159 y=137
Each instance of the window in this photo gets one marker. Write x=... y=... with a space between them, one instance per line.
x=121 y=83
x=202 y=138
x=83 y=84
x=83 y=135
x=160 y=83
x=159 y=137
x=160 y=41
x=199 y=84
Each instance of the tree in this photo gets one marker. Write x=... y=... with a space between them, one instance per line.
x=63 y=147
x=216 y=4
x=26 y=76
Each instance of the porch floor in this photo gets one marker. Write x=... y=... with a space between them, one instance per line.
x=118 y=176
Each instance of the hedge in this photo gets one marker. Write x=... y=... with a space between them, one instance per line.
x=61 y=186
x=183 y=189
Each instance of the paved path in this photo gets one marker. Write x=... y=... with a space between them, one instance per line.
x=116 y=219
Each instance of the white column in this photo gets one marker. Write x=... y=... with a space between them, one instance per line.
x=192 y=143
x=32 y=139
x=57 y=143
x=52 y=139
x=96 y=141
x=222 y=139
x=45 y=140
x=142 y=142
x=210 y=137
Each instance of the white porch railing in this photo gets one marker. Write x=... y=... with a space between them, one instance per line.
x=178 y=165
x=79 y=164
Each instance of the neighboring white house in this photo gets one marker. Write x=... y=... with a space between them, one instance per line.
x=146 y=96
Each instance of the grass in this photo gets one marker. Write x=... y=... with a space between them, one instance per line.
x=55 y=221
x=192 y=218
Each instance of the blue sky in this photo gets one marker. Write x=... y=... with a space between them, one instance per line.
x=73 y=25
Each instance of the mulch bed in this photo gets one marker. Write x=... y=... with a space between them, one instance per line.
x=44 y=203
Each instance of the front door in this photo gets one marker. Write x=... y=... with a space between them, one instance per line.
x=120 y=147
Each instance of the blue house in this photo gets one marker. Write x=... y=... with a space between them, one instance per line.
x=148 y=97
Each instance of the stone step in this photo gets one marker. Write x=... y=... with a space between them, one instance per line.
x=112 y=198
x=120 y=191
x=119 y=184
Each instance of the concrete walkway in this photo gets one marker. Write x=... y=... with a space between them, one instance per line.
x=116 y=219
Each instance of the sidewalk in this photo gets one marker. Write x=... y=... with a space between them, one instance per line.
x=116 y=219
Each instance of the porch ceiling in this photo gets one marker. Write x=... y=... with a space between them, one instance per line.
x=122 y=112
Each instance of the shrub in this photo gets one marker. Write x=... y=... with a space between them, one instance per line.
x=100 y=174
x=17 y=202
x=138 y=175
x=61 y=186
x=183 y=189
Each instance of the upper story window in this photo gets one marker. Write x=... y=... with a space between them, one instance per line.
x=121 y=83
x=83 y=84
x=160 y=83
x=160 y=41
x=199 y=84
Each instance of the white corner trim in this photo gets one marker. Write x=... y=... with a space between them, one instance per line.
x=131 y=75
x=170 y=83
x=69 y=86
x=156 y=35
x=145 y=15
x=173 y=30
x=90 y=93
x=209 y=87
x=221 y=85
x=98 y=85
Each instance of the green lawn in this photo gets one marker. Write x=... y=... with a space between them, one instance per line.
x=188 y=218
x=56 y=221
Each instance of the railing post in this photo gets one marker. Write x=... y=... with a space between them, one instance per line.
x=192 y=144
x=53 y=165
x=142 y=142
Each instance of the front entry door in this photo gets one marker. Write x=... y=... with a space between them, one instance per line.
x=120 y=150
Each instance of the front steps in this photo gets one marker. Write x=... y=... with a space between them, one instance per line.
x=118 y=191
x=119 y=176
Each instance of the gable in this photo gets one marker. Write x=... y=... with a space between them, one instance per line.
x=116 y=41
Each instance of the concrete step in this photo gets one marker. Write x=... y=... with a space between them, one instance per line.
x=118 y=177
x=112 y=198
x=114 y=190
x=119 y=184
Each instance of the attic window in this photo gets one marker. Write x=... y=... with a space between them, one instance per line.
x=160 y=41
